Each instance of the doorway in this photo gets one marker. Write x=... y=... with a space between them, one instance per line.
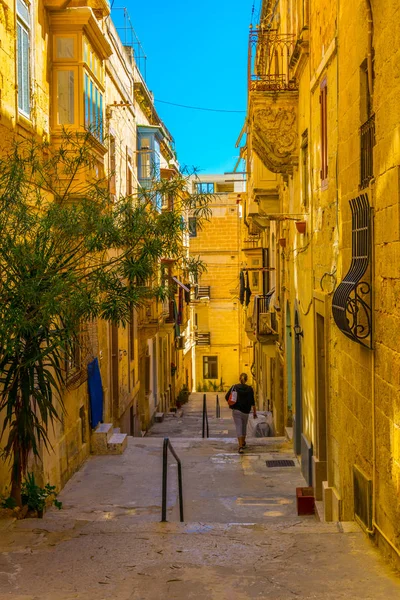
x=114 y=374
x=289 y=374
x=321 y=440
x=298 y=418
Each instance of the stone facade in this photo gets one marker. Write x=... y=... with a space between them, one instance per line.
x=143 y=366
x=217 y=307
x=339 y=395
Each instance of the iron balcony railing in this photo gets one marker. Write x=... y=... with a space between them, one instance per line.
x=203 y=339
x=367 y=141
x=268 y=61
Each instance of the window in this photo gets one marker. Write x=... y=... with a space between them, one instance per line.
x=131 y=335
x=210 y=367
x=65 y=97
x=112 y=166
x=65 y=47
x=93 y=99
x=82 y=417
x=129 y=172
x=324 y=131
x=149 y=158
x=23 y=57
x=72 y=360
x=145 y=158
x=304 y=167
x=255 y=279
x=192 y=226
x=367 y=129
x=204 y=188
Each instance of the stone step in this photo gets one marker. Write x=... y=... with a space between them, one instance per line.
x=117 y=443
x=100 y=437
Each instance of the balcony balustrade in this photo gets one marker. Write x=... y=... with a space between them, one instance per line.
x=273 y=96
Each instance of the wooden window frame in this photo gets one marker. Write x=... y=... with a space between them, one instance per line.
x=24 y=26
x=323 y=100
x=206 y=361
x=192 y=227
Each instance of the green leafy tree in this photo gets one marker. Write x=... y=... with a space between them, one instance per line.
x=68 y=255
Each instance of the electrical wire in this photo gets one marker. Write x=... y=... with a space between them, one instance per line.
x=219 y=110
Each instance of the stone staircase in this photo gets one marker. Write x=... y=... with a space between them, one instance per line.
x=106 y=440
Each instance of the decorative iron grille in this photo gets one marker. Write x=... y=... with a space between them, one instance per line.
x=352 y=300
x=268 y=61
x=367 y=141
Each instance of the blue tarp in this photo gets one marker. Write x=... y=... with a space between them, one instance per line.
x=95 y=393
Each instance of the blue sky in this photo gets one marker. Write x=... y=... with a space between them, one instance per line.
x=196 y=55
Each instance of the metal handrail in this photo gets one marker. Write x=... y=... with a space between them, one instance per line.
x=217 y=408
x=167 y=444
x=205 y=418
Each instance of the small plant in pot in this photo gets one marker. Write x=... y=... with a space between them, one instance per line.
x=183 y=395
x=37 y=498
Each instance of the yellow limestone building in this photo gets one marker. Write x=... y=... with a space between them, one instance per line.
x=218 y=337
x=324 y=118
x=65 y=66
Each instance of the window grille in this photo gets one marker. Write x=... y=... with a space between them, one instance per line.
x=352 y=300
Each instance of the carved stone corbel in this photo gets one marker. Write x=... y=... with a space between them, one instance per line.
x=274 y=131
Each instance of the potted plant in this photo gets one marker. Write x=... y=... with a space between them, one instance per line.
x=301 y=226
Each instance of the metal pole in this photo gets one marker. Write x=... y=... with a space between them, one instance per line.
x=218 y=409
x=208 y=433
x=164 y=481
x=180 y=491
x=204 y=415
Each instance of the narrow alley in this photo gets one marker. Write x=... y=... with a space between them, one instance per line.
x=241 y=537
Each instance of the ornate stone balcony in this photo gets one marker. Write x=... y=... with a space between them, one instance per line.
x=273 y=99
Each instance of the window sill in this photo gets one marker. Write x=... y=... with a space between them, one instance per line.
x=25 y=123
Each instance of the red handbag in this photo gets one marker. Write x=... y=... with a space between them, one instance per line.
x=232 y=398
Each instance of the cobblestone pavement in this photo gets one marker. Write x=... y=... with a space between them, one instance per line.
x=241 y=539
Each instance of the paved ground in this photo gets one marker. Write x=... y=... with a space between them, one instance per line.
x=241 y=539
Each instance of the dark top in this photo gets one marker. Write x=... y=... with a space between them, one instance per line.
x=245 y=397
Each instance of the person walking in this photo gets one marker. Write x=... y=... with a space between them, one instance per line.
x=240 y=398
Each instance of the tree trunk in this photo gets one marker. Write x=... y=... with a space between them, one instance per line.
x=16 y=480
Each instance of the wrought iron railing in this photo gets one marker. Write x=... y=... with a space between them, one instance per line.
x=352 y=300
x=217 y=408
x=167 y=446
x=268 y=61
x=205 y=429
x=367 y=141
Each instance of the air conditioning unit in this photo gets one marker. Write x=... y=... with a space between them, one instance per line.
x=180 y=342
x=264 y=323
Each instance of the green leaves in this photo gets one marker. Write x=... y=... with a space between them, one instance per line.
x=69 y=255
